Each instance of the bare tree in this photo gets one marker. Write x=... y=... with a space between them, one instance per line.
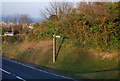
x=60 y=9
x=93 y=9
x=15 y=18
x=12 y=18
x=25 y=19
x=6 y=19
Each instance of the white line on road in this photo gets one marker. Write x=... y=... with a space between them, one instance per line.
x=20 y=78
x=39 y=69
x=12 y=74
x=5 y=71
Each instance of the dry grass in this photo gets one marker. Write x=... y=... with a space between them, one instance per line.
x=12 y=50
x=70 y=58
x=104 y=55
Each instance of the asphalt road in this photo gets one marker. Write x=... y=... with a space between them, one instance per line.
x=12 y=70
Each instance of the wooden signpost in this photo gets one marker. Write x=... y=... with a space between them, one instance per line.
x=54 y=47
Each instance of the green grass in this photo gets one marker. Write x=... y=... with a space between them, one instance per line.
x=72 y=60
x=99 y=75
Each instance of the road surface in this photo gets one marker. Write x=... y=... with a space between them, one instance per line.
x=19 y=71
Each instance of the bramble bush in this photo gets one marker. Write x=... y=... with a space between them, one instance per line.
x=88 y=25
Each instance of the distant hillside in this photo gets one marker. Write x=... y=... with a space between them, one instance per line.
x=33 y=19
x=37 y=19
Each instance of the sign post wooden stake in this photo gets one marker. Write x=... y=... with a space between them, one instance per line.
x=54 y=47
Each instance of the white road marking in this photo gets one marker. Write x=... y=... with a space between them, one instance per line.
x=5 y=71
x=39 y=69
x=12 y=74
x=20 y=78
